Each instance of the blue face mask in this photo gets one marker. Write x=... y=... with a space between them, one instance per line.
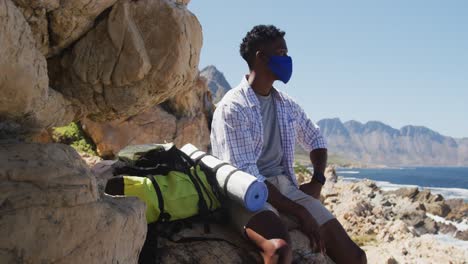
x=281 y=66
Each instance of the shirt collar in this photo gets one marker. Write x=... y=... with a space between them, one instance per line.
x=252 y=99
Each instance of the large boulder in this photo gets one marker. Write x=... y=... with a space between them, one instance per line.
x=56 y=24
x=182 y=119
x=141 y=54
x=26 y=102
x=51 y=211
x=154 y=125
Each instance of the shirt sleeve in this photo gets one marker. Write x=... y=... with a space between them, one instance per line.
x=232 y=141
x=308 y=133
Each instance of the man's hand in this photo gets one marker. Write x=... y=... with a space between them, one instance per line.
x=313 y=188
x=310 y=228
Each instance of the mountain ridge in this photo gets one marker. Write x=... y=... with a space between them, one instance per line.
x=216 y=81
x=375 y=142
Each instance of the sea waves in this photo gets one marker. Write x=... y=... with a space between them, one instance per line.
x=447 y=193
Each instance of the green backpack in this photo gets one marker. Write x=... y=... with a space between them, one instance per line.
x=172 y=186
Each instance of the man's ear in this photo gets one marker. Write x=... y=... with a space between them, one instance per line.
x=261 y=56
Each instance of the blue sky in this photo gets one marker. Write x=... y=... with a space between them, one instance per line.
x=400 y=62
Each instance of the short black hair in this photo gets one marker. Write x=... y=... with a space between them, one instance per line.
x=257 y=37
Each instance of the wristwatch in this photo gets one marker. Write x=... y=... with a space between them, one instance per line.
x=319 y=177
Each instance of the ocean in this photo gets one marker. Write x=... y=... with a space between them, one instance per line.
x=450 y=182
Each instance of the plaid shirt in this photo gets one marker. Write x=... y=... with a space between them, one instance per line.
x=237 y=130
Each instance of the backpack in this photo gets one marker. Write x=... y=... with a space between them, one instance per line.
x=173 y=187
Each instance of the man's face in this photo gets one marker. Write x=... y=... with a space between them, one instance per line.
x=275 y=48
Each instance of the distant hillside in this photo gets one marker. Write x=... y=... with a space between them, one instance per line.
x=216 y=82
x=377 y=143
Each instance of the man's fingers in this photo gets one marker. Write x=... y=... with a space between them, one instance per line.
x=268 y=246
x=278 y=243
x=254 y=236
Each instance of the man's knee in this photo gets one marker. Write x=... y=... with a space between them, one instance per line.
x=359 y=256
x=269 y=225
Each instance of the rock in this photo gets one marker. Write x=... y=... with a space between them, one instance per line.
x=427 y=226
x=391 y=260
x=56 y=24
x=434 y=204
x=462 y=235
x=140 y=54
x=424 y=249
x=191 y=103
x=458 y=210
x=51 y=210
x=152 y=126
x=185 y=123
x=330 y=174
x=72 y=20
x=447 y=228
x=27 y=105
x=406 y=192
x=437 y=208
x=36 y=15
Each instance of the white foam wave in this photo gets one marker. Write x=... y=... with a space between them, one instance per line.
x=460 y=226
x=447 y=193
x=347 y=172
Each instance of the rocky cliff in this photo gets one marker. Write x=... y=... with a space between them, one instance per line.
x=378 y=143
x=99 y=61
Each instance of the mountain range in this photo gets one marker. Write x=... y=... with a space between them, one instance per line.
x=216 y=82
x=377 y=143
x=373 y=143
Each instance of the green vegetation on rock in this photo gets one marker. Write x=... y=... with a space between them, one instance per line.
x=366 y=239
x=301 y=169
x=73 y=135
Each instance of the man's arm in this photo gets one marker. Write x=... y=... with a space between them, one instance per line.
x=311 y=139
x=318 y=158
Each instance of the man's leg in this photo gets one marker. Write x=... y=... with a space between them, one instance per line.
x=340 y=247
x=265 y=229
x=268 y=232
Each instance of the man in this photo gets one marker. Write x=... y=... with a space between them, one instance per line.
x=255 y=128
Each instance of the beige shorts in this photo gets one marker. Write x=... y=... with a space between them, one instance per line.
x=241 y=216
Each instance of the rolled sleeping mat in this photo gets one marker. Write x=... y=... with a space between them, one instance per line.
x=235 y=184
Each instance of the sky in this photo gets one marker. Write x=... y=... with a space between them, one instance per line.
x=400 y=62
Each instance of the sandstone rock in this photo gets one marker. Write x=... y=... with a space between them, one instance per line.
x=191 y=103
x=193 y=130
x=141 y=54
x=152 y=126
x=56 y=24
x=51 y=211
x=26 y=102
x=182 y=120
x=35 y=14
x=72 y=19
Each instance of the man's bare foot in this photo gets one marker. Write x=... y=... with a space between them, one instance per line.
x=273 y=250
